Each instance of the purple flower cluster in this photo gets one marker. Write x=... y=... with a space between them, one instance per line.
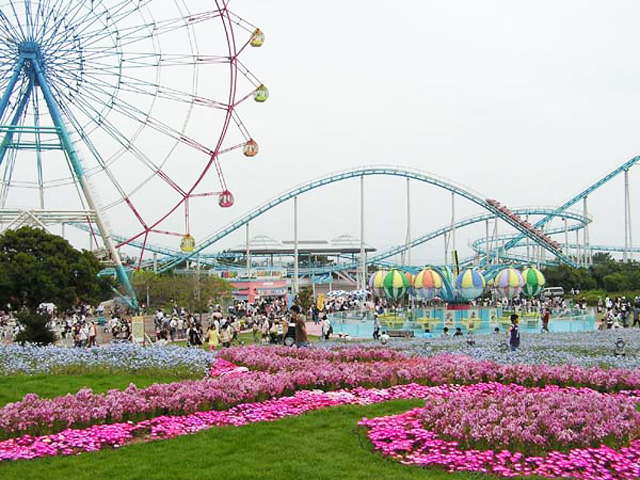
x=533 y=421
x=408 y=439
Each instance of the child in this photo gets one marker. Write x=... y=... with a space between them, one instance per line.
x=214 y=337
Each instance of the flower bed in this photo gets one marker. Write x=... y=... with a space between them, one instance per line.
x=283 y=374
x=73 y=441
x=403 y=437
x=117 y=358
x=481 y=438
x=533 y=421
x=584 y=349
x=440 y=369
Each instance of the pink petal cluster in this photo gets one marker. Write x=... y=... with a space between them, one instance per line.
x=403 y=437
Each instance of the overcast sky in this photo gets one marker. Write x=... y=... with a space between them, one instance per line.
x=524 y=102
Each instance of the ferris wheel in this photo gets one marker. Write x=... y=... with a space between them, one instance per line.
x=121 y=112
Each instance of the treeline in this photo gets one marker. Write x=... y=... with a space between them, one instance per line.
x=605 y=274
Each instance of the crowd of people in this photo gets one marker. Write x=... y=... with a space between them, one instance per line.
x=270 y=322
x=619 y=312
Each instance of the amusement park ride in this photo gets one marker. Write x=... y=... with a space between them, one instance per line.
x=102 y=102
x=94 y=95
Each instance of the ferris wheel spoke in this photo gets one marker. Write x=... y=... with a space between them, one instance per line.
x=131 y=35
x=144 y=118
x=92 y=24
x=17 y=17
x=8 y=28
x=92 y=149
x=134 y=85
x=127 y=144
x=59 y=24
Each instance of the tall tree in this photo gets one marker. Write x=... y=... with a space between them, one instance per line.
x=37 y=266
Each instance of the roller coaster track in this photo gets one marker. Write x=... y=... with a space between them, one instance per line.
x=572 y=201
x=356 y=173
x=376 y=259
x=175 y=258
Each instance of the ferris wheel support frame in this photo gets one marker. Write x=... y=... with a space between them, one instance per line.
x=31 y=63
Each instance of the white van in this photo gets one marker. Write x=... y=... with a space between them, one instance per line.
x=553 y=292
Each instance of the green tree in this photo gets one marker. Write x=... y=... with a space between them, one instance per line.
x=37 y=266
x=35 y=329
x=194 y=290
x=602 y=257
x=616 y=282
x=305 y=299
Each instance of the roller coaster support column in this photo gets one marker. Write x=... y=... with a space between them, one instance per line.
x=495 y=238
x=578 y=253
x=454 y=251
x=76 y=164
x=627 y=256
x=487 y=244
x=248 y=254
x=528 y=242
x=587 y=250
x=566 y=234
x=295 y=246
x=408 y=222
x=362 y=277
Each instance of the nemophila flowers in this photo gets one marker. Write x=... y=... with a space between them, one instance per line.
x=584 y=349
x=122 y=357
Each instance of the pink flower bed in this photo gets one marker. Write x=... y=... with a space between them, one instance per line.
x=282 y=372
x=533 y=421
x=420 y=437
x=73 y=441
x=365 y=369
x=403 y=437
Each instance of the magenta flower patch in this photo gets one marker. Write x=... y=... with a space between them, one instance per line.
x=513 y=430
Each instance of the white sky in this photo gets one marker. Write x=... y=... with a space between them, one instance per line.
x=525 y=102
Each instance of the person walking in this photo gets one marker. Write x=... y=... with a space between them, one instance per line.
x=301 y=327
x=327 y=329
x=226 y=334
x=376 y=326
x=545 y=321
x=514 y=333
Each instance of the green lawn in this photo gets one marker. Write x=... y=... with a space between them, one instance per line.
x=324 y=444
x=13 y=388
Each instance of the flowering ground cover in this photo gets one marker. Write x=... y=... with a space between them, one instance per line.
x=585 y=349
x=113 y=359
x=320 y=445
x=422 y=436
x=13 y=388
x=515 y=431
x=288 y=371
x=258 y=384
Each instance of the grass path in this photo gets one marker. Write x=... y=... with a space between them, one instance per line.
x=321 y=445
